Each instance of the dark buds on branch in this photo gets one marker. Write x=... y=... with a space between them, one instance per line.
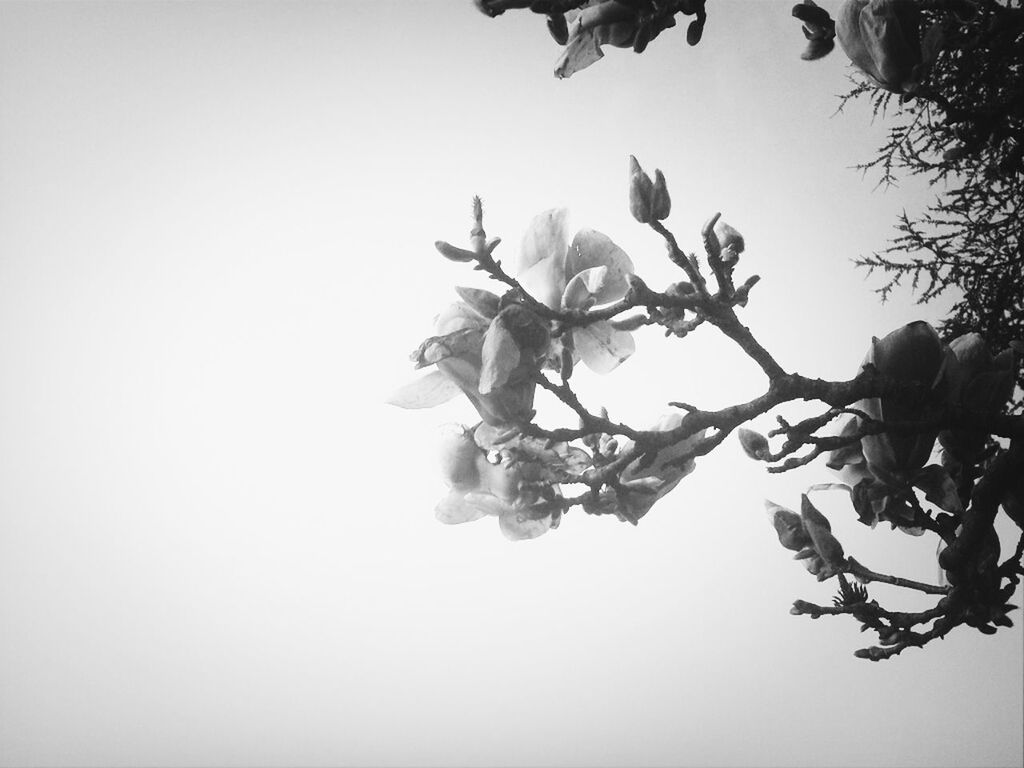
x=649 y=201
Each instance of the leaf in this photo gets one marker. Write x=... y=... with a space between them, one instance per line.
x=591 y=248
x=602 y=347
x=939 y=488
x=498 y=357
x=425 y=392
x=483 y=302
x=582 y=290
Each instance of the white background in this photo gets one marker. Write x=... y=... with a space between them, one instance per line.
x=217 y=544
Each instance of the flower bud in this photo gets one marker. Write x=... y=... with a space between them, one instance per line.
x=643 y=36
x=788 y=526
x=454 y=253
x=680 y=289
x=477 y=236
x=558 y=28
x=630 y=323
x=694 y=31
x=641 y=191
x=817 y=525
x=661 y=203
x=755 y=445
x=731 y=242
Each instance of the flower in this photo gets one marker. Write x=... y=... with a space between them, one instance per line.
x=882 y=39
x=912 y=354
x=490 y=349
x=644 y=481
x=982 y=383
x=589 y=271
x=611 y=22
x=513 y=479
x=489 y=354
x=880 y=469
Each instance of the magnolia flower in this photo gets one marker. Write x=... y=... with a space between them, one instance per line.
x=880 y=469
x=912 y=354
x=982 y=383
x=610 y=22
x=507 y=480
x=591 y=27
x=589 y=271
x=882 y=39
x=489 y=354
x=643 y=482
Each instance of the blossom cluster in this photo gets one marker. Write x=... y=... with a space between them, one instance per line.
x=492 y=348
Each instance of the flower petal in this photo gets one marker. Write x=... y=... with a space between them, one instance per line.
x=518 y=526
x=425 y=392
x=583 y=288
x=465 y=342
x=593 y=249
x=580 y=53
x=457 y=316
x=545 y=281
x=483 y=302
x=498 y=357
x=602 y=347
x=457 y=507
x=546 y=237
x=881 y=38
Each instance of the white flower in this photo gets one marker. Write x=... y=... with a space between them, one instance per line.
x=587 y=272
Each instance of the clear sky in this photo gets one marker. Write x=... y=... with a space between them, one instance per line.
x=217 y=544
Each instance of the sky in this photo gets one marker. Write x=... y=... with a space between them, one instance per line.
x=217 y=542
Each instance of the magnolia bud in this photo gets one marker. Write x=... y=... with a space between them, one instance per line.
x=630 y=323
x=644 y=33
x=755 y=445
x=641 y=191
x=558 y=28
x=661 y=203
x=680 y=289
x=730 y=240
x=454 y=253
x=694 y=31
x=818 y=528
x=788 y=526
x=477 y=236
